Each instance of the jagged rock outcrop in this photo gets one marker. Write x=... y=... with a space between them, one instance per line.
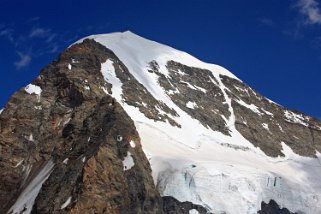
x=273 y=208
x=261 y=121
x=267 y=124
x=85 y=133
x=173 y=206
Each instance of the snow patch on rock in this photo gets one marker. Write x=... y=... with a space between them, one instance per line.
x=132 y=144
x=252 y=107
x=128 y=162
x=191 y=105
x=108 y=71
x=33 y=89
x=27 y=198
x=74 y=61
x=267 y=112
x=67 y=121
x=19 y=163
x=295 y=118
x=38 y=107
x=266 y=126
x=66 y=161
x=31 y=139
x=194 y=87
x=67 y=202
x=193 y=211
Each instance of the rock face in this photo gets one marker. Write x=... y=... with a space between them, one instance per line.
x=273 y=208
x=85 y=132
x=71 y=141
x=275 y=123
x=262 y=122
x=173 y=206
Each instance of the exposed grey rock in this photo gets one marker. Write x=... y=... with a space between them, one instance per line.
x=267 y=126
x=270 y=126
x=135 y=94
x=186 y=84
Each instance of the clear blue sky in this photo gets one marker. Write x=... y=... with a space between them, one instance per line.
x=274 y=46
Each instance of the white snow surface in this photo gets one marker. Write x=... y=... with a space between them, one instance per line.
x=295 y=118
x=66 y=161
x=193 y=211
x=67 y=202
x=25 y=201
x=83 y=159
x=252 y=107
x=191 y=105
x=266 y=126
x=136 y=52
x=1 y=111
x=267 y=112
x=128 y=162
x=194 y=87
x=19 y=163
x=30 y=138
x=193 y=163
x=109 y=74
x=132 y=144
x=33 y=89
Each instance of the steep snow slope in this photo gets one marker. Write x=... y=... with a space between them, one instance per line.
x=26 y=199
x=194 y=163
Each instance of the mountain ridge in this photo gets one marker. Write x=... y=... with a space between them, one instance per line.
x=208 y=137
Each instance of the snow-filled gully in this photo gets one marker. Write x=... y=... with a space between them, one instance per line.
x=25 y=201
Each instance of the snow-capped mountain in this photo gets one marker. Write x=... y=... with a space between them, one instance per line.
x=75 y=139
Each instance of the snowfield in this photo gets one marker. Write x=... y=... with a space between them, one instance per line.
x=196 y=164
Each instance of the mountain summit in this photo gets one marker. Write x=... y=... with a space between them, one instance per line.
x=122 y=124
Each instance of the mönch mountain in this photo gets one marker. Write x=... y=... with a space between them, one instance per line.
x=121 y=124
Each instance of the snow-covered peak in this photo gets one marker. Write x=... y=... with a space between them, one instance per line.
x=192 y=161
x=136 y=52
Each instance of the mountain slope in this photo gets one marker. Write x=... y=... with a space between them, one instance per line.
x=210 y=139
x=77 y=143
x=228 y=136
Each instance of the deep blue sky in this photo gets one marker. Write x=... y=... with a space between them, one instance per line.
x=274 y=46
